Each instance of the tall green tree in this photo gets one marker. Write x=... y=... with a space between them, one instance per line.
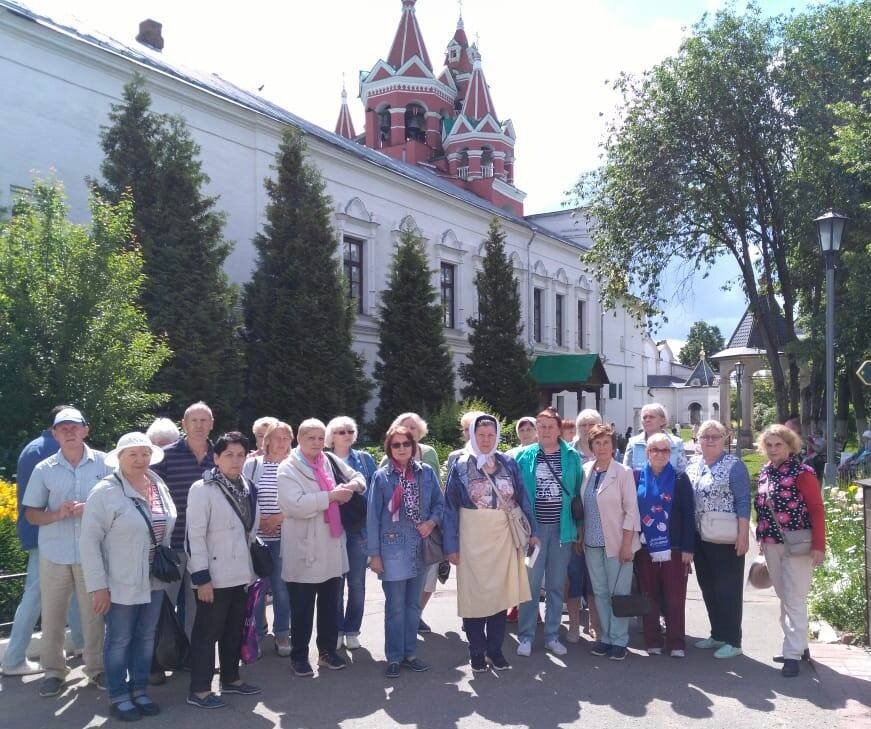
x=297 y=315
x=498 y=367
x=696 y=167
x=414 y=370
x=186 y=296
x=71 y=326
x=702 y=336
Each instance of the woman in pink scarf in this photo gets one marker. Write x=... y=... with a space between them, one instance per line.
x=313 y=552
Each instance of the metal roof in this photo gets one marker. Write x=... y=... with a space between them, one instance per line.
x=218 y=86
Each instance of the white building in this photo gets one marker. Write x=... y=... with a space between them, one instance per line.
x=60 y=82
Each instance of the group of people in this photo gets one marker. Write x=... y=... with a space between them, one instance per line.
x=559 y=512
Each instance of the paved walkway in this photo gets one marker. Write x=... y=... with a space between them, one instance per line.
x=542 y=692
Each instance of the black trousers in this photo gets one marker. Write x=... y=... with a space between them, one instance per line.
x=485 y=635
x=720 y=573
x=220 y=621
x=302 y=611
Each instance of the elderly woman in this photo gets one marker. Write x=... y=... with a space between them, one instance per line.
x=259 y=429
x=262 y=470
x=482 y=491
x=551 y=473
x=791 y=531
x=405 y=505
x=579 y=578
x=311 y=487
x=222 y=517
x=126 y=516
x=721 y=485
x=341 y=435
x=668 y=535
x=526 y=434
x=654 y=418
x=424 y=454
x=163 y=432
x=609 y=537
x=466 y=421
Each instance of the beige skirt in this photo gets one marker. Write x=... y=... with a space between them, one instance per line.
x=491 y=576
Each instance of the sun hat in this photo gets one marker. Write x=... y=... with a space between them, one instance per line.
x=134 y=440
x=69 y=415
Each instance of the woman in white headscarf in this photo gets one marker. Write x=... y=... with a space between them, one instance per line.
x=483 y=494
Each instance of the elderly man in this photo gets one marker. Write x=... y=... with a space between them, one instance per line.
x=15 y=661
x=184 y=463
x=54 y=501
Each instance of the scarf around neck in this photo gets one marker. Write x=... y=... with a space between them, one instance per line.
x=239 y=492
x=406 y=495
x=325 y=482
x=655 y=499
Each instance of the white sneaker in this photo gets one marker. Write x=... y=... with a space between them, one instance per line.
x=25 y=668
x=555 y=647
x=352 y=642
x=524 y=648
x=677 y=653
x=654 y=651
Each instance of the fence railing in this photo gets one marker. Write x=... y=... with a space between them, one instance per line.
x=9 y=598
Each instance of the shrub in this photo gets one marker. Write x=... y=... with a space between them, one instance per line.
x=13 y=559
x=444 y=423
x=838 y=589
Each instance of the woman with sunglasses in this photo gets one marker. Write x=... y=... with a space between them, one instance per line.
x=405 y=505
x=668 y=534
x=721 y=484
x=341 y=435
x=483 y=489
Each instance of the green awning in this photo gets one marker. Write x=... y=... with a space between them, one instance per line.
x=568 y=372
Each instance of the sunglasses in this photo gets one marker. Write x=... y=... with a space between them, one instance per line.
x=396 y=445
x=711 y=438
x=659 y=450
x=343 y=432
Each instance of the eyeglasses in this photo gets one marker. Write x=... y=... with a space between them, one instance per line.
x=396 y=445
x=711 y=438
x=659 y=451
x=343 y=432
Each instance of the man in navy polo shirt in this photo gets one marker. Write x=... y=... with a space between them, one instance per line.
x=184 y=463
x=15 y=661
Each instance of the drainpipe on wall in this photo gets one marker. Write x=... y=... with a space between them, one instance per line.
x=529 y=297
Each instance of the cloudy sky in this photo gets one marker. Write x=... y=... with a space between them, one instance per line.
x=548 y=64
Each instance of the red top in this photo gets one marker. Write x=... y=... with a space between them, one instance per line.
x=813 y=498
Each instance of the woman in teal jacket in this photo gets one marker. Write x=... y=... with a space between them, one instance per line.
x=551 y=473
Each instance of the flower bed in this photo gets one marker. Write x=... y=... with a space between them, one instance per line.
x=12 y=559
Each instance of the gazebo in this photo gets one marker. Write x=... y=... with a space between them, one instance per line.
x=553 y=373
x=746 y=346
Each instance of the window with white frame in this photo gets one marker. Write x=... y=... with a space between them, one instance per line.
x=352 y=258
x=449 y=271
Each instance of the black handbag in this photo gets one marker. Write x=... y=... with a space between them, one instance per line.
x=261 y=557
x=576 y=503
x=171 y=645
x=636 y=604
x=165 y=563
x=431 y=548
x=353 y=511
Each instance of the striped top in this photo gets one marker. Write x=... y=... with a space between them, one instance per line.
x=267 y=496
x=548 y=494
x=158 y=517
x=179 y=470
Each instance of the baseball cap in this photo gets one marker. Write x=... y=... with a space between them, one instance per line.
x=69 y=415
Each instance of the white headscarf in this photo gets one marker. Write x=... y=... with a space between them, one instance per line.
x=483 y=458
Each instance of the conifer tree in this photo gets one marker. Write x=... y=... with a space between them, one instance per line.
x=414 y=371
x=498 y=367
x=187 y=296
x=298 y=318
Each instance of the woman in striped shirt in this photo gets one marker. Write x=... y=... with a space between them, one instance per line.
x=262 y=471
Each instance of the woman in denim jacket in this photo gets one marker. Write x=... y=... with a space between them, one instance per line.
x=405 y=505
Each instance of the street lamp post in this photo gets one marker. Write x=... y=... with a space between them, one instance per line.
x=830 y=229
x=739 y=374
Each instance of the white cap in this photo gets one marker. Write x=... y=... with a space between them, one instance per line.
x=69 y=415
x=134 y=440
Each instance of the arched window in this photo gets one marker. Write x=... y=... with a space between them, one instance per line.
x=486 y=162
x=415 y=123
x=384 y=124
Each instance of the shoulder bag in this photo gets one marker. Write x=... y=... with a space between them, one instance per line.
x=719 y=527
x=632 y=605
x=518 y=524
x=165 y=564
x=576 y=503
x=353 y=511
x=261 y=557
x=796 y=541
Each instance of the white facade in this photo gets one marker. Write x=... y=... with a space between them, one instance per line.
x=58 y=89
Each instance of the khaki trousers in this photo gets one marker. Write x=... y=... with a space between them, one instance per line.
x=791 y=577
x=58 y=583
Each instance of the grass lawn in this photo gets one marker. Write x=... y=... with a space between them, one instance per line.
x=754 y=463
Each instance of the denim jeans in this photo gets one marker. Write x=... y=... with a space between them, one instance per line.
x=551 y=567
x=608 y=577
x=351 y=614
x=129 y=647
x=280 y=598
x=402 y=615
x=27 y=613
